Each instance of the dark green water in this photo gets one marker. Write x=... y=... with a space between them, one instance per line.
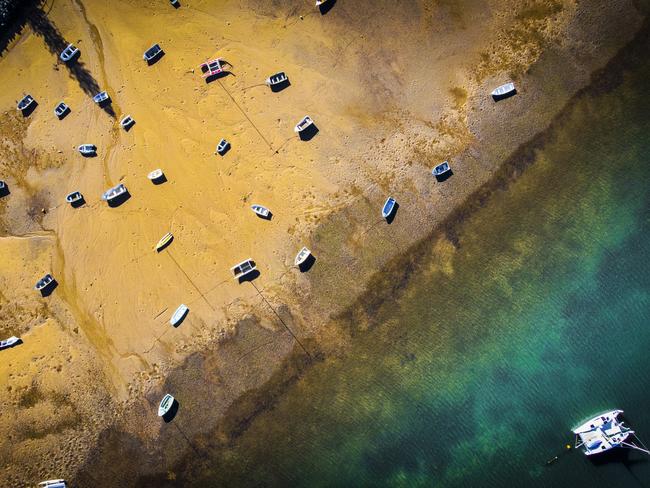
x=474 y=377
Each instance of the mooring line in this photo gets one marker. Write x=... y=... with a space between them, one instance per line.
x=282 y=321
x=190 y=280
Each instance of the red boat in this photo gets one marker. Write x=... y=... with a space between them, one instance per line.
x=211 y=68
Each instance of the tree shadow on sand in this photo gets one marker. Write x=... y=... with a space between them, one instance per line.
x=32 y=13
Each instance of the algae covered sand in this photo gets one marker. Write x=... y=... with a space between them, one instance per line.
x=393 y=89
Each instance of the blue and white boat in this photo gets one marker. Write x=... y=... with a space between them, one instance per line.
x=11 y=342
x=165 y=405
x=441 y=169
x=126 y=122
x=52 y=484
x=222 y=147
x=389 y=207
x=61 y=110
x=44 y=282
x=504 y=91
x=179 y=315
x=69 y=53
x=25 y=103
x=152 y=53
x=101 y=97
x=87 y=149
x=261 y=211
x=74 y=197
x=115 y=192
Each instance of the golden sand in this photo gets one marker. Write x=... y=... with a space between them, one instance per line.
x=393 y=89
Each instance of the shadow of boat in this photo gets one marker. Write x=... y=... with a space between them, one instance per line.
x=119 y=200
x=217 y=76
x=393 y=214
x=281 y=86
x=4 y=191
x=160 y=180
x=159 y=55
x=324 y=8
x=497 y=98
x=307 y=264
x=253 y=275
x=444 y=176
x=27 y=111
x=173 y=411
x=79 y=203
x=308 y=133
x=49 y=289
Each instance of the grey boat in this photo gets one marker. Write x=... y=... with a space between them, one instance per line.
x=61 y=110
x=69 y=53
x=44 y=282
x=114 y=192
x=87 y=149
x=152 y=53
x=101 y=97
x=25 y=103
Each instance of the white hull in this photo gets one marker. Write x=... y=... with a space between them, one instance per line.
x=165 y=405
x=503 y=90
x=302 y=256
x=179 y=314
x=303 y=124
x=155 y=174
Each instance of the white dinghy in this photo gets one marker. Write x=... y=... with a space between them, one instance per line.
x=74 y=197
x=242 y=269
x=126 y=122
x=276 y=79
x=179 y=315
x=87 y=149
x=165 y=405
x=261 y=211
x=25 y=103
x=61 y=110
x=302 y=256
x=69 y=53
x=504 y=91
x=101 y=97
x=304 y=123
x=113 y=193
x=155 y=174
x=44 y=282
x=11 y=342
x=52 y=484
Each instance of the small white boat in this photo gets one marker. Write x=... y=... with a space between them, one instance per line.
x=179 y=315
x=175 y=3
x=276 y=79
x=101 y=97
x=302 y=256
x=164 y=241
x=152 y=53
x=69 y=53
x=87 y=149
x=74 y=197
x=7 y=343
x=504 y=91
x=155 y=174
x=441 y=169
x=303 y=124
x=165 y=405
x=212 y=68
x=126 y=122
x=3 y=186
x=222 y=147
x=261 y=211
x=604 y=432
x=25 y=103
x=321 y=2
x=113 y=193
x=388 y=207
x=44 y=282
x=61 y=110
x=52 y=484
x=242 y=269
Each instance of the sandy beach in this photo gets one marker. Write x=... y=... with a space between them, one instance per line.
x=394 y=89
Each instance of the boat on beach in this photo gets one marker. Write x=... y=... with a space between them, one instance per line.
x=152 y=53
x=74 y=197
x=25 y=103
x=604 y=432
x=212 y=68
x=242 y=269
x=115 y=192
x=61 y=110
x=44 y=282
x=69 y=53
x=304 y=123
x=276 y=79
x=52 y=484
x=164 y=242
x=165 y=405
x=87 y=149
x=126 y=122
x=388 y=207
x=179 y=315
x=155 y=174
x=222 y=147
x=302 y=256
x=11 y=342
x=261 y=211
x=3 y=186
x=441 y=169
x=101 y=97
x=504 y=91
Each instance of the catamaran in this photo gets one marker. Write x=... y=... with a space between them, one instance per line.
x=25 y=103
x=115 y=192
x=69 y=53
x=261 y=211
x=604 y=432
x=164 y=241
x=504 y=91
x=61 y=110
x=388 y=207
x=74 y=197
x=11 y=342
x=44 y=282
x=303 y=124
x=165 y=405
x=242 y=269
x=179 y=315
x=302 y=256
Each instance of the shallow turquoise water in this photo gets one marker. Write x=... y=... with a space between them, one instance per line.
x=539 y=318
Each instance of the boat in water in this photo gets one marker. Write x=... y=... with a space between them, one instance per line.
x=302 y=256
x=504 y=91
x=101 y=97
x=87 y=149
x=52 y=484
x=261 y=211
x=164 y=241
x=388 y=207
x=69 y=53
x=155 y=174
x=441 y=169
x=604 y=432
x=165 y=405
x=44 y=282
x=113 y=193
x=11 y=342
x=74 y=197
x=179 y=315
x=276 y=79
x=61 y=110
x=25 y=103
x=304 y=123
x=242 y=269
x=126 y=122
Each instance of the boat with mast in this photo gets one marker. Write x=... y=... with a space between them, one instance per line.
x=604 y=432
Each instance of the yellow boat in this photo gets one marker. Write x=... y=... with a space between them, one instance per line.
x=164 y=241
